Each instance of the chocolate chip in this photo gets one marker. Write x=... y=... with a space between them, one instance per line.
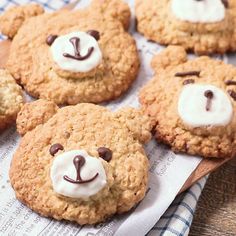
x=232 y=94
x=188 y=73
x=55 y=148
x=66 y=134
x=105 y=153
x=94 y=33
x=188 y=81
x=50 y=39
x=230 y=82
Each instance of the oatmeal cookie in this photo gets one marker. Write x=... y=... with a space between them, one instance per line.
x=11 y=99
x=193 y=103
x=204 y=27
x=76 y=56
x=84 y=164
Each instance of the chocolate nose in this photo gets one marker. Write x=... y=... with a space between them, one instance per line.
x=75 y=41
x=209 y=95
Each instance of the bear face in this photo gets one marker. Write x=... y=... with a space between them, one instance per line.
x=88 y=162
x=193 y=103
x=75 y=56
x=198 y=26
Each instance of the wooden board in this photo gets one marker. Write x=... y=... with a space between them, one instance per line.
x=216 y=211
x=204 y=168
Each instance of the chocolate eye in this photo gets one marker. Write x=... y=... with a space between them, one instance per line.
x=230 y=82
x=55 y=148
x=226 y=3
x=94 y=33
x=105 y=153
x=188 y=81
x=232 y=94
x=50 y=39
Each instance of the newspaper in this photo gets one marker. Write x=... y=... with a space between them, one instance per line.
x=167 y=174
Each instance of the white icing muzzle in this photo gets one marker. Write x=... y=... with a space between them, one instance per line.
x=204 y=11
x=75 y=174
x=63 y=52
x=204 y=105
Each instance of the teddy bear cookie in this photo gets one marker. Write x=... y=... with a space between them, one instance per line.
x=193 y=103
x=202 y=26
x=83 y=164
x=11 y=99
x=76 y=56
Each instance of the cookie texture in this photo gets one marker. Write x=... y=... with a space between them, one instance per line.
x=87 y=127
x=157 y=22
x=33 y=114
x=43 y=79
x=12 y=19
x=11 y=99
x=160 y=100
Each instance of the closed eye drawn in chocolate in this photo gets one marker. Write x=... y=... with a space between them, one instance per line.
x=188 y=73
x=230 y=82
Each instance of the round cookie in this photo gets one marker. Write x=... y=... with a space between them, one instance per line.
x=11 y=99
x=84 y=164
x=193 y=103
x=76 y=56
x=199 y=26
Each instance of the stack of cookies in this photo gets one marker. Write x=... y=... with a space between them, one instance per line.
x=82 y=162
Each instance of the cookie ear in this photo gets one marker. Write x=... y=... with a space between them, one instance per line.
x=12 y=19
x=171 y=56
x=116 y=9
x=33 y=114
x=139 y=124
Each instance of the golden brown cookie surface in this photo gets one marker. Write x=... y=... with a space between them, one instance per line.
x=11 y=99
x=89 y=128
x=13 y=18
x=188 y=117
x=29 y=117
x=157 y=22
x=42 y=77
